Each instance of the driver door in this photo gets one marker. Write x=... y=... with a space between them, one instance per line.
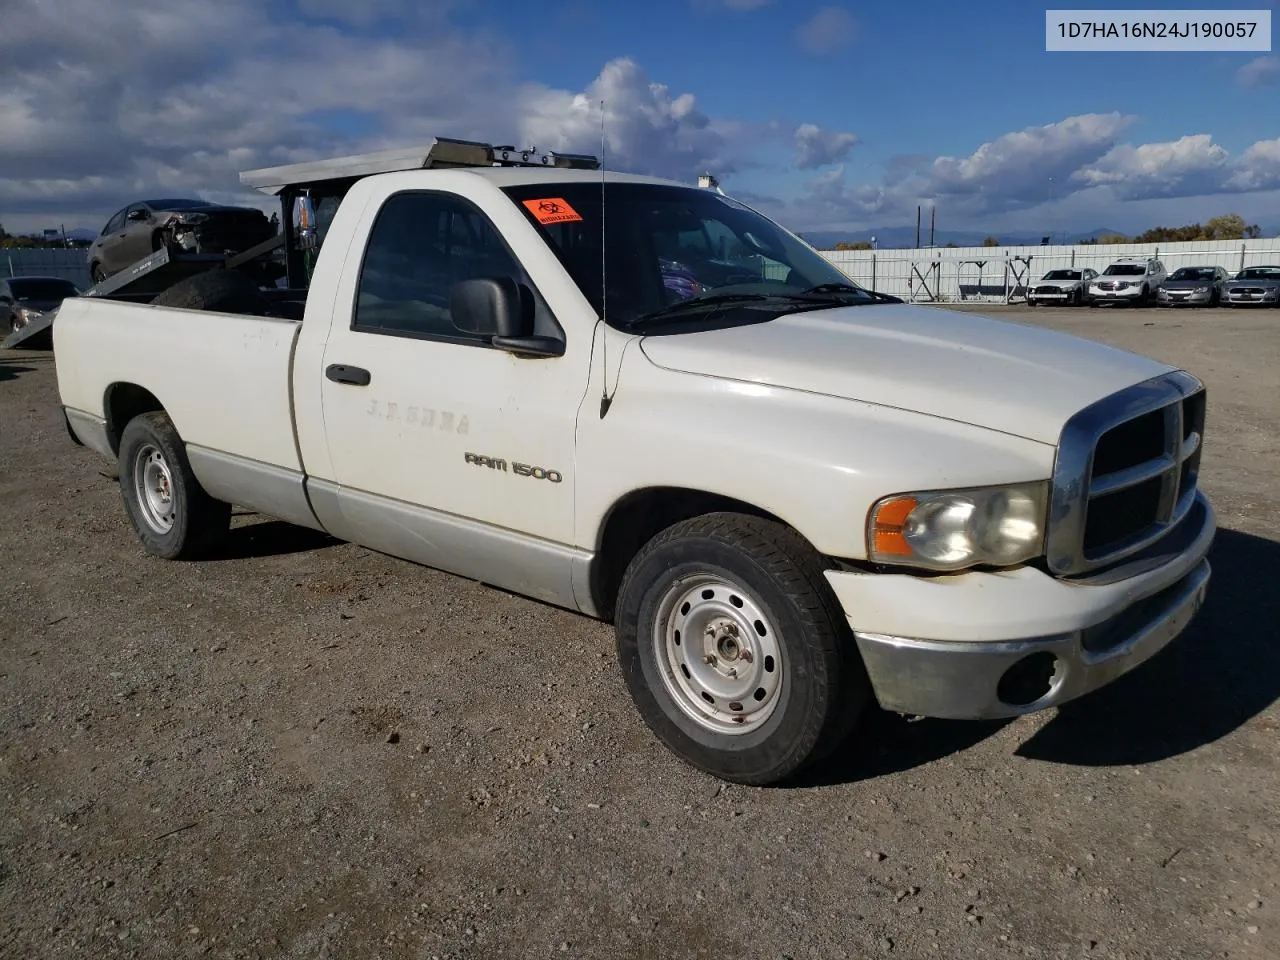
x=445 y=449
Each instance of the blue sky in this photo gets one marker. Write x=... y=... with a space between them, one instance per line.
x=943 y=103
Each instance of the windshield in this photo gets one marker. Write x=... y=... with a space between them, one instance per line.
x=1194 y=273
x=1259 y=273
x=1125 y=270
x=42 y=289
x=669 y=244
x=172 y=204
x=1062 y=275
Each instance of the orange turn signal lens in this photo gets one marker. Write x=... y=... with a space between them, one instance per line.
x=887 y=526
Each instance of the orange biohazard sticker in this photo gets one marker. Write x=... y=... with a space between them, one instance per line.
x=552 y=210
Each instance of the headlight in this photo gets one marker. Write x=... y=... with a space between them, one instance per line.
x=26 y=315
x=190 y=218
x=954 y=529
x=1202 y=290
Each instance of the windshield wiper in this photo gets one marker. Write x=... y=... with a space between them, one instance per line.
x=715 y=299
x=850 y=288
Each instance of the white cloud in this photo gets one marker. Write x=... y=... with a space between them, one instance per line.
x=816 y=147
x=828 y=30
x=1031 y=163
x=649 y=129
x=1077 y=162
x=1258 y=168
x=103 y=103
x=1261 y=72
x=1187 y=166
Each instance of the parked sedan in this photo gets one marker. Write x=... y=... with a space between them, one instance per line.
x=194 y=226
x=1253 y=285
x=1061 y=286
x=1192 y=286
x=24 y=299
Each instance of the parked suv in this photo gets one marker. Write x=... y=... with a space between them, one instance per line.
x=1065 y=285
x=1128 y=280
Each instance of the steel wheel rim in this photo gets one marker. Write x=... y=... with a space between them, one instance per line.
x=718 y=654
x=153 y=484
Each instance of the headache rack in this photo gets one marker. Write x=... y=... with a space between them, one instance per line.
x=312 y=190
x=441 y=153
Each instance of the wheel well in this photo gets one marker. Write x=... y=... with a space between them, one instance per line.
x=123 y=402
x=635 y=519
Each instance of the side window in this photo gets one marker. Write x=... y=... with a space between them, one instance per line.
x=420 y=246
x=114 y=224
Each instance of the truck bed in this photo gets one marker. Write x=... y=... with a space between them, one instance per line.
x=223 y=378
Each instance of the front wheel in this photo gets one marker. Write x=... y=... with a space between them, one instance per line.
x=170 y=512
x=735 y=651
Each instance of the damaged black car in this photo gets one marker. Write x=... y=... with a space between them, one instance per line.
x=182 y=225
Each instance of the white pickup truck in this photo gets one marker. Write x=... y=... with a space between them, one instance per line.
x=644 y=401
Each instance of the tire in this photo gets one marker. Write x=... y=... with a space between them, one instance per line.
x=170 y=512
x=724 y=577
x=220 y=291
x=96 y=273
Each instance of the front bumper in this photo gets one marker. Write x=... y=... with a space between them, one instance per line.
x=1105 y=296
x=1270 y=298
x=989 y=645
x=1052 y=296
x=1172 y=299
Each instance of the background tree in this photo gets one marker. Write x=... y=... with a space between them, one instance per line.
x=991 y=242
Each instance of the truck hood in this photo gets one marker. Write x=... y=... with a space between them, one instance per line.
x=960 y=366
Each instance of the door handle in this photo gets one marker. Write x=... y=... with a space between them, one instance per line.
x=341 y=373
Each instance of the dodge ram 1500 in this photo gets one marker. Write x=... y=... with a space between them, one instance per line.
x=793 y=498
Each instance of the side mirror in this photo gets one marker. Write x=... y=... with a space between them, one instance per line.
x=137 y=215
x=501 y=310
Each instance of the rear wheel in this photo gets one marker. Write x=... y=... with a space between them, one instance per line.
x=170 y=512
x=735 y=651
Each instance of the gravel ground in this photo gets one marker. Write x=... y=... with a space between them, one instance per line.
x=305 y=749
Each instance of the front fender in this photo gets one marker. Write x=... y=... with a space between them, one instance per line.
x=816 y=462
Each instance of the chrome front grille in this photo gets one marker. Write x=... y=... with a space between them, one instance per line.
x=1126 y=473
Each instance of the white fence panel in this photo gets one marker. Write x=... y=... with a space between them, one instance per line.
x=952 y=273
x=69 y=264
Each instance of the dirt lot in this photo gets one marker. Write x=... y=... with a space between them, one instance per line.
x=305 y=749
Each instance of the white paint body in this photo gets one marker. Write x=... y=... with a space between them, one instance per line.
x=811 y=417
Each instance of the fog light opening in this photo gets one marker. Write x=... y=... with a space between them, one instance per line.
x=1028 y=680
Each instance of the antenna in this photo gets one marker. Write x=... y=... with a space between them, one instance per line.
x=605 y=399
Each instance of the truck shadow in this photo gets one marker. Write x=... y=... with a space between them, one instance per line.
x=270 y=538
x=1219 y=675
x=10 y=370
